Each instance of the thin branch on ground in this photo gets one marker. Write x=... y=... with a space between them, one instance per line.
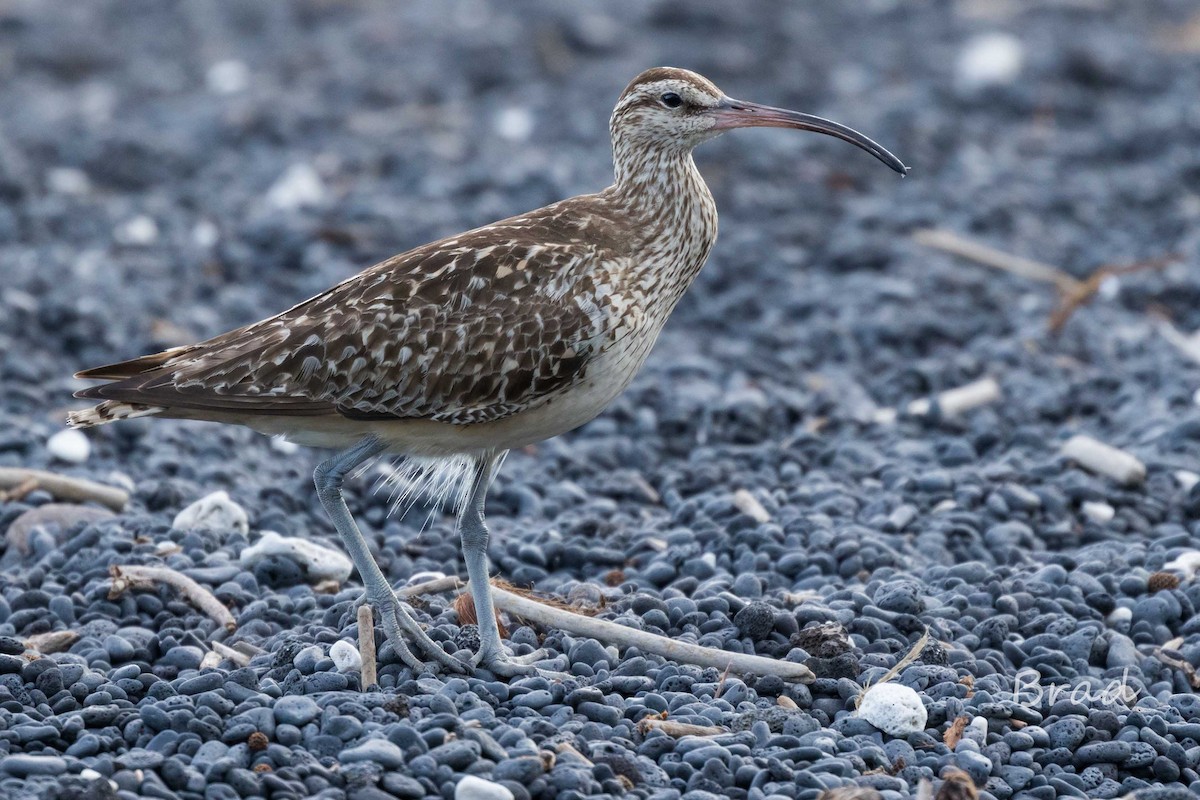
x=51 y=641
x=1070 y=301
x=236 y=656
x=566 y=748
x=1073 y=293
x=549 y=614
x=366 y=645
x=912 y=655
x=63 y=487
x=436 y=586
x=958 y=245
x=611 y=633
x=126 y=577
x=677 y=729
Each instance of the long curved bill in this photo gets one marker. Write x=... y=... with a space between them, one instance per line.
x=732 y=113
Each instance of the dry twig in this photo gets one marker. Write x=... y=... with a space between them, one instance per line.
x=51 y=642
x=436 y=586
x=955 y=244
x=366 y=646
x=565 y=748
x=677 y=729
x=236 y=656
x=63 y=487
x=909 y=658
x=621 y=636
x=1072 y=292
x=551 y=615
x=1183 y=666
x=129 y=576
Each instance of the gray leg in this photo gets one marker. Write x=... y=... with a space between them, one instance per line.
x=397 y=622
x=474 y=532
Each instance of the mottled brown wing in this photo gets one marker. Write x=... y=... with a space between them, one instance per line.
x=466 y=330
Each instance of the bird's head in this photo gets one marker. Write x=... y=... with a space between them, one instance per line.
x=666 y=108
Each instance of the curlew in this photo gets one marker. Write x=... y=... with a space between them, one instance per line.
x=462 y=349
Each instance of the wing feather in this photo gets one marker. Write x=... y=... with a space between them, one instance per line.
x=466 y=330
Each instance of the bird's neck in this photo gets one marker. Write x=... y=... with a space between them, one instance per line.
x=672 y=220
x=664 y=194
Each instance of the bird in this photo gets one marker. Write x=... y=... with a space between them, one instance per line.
x=463 y=349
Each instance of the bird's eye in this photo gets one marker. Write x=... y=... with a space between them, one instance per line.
x=671 y=100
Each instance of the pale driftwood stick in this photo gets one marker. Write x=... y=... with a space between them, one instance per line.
x=210 y=661
x=955 y=244
x=677 y=729
x=567 y=748
x=129 y=576
x=1096 y=456
x=612 y=633
x=958 y=400
x=76 y=490
x=430 y=587
x=51 y=642
x=366 y=645
x=912 y=655
x=236 y=656
x=248 y=650
x=748 y=504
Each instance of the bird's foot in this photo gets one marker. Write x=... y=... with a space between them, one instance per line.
x=504 y=665
x=402 y=630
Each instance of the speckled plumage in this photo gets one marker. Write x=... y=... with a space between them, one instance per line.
x=468 y=330
x=492 y=339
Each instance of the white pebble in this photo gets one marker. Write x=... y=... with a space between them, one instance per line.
x=1097 y=511
x=514 y=124
x=1186 y=563
x=990 y=59
x=894 y=709
x=141 y=230
x=1109 y=287
x=68 y=180
x=320 y=563
x=1119 y=616
x=345 y=655
x=1186 y=478
x=1096 y=456
x=475 y=788
x=214 y=512
x=70 y=446
x=298 y=187
x=227 y=77
x=205 y=234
